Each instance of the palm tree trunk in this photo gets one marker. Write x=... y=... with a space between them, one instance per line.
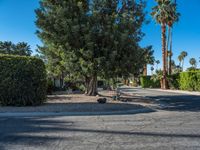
x=170 y=56
x=167 y=48
x=164 y=80
x=145 y=70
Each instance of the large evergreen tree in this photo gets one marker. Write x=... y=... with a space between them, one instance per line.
x=94 y=38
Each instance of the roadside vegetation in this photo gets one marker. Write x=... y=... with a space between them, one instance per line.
x=86 y=41
x=93 y=45
x=171 y=76
x=22 y=80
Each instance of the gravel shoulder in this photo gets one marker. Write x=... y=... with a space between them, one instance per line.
x=74 y=103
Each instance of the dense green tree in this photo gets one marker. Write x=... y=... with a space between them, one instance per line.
x=94 y=38
x=20 y=48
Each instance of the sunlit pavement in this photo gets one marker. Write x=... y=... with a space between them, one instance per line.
x=174 y=126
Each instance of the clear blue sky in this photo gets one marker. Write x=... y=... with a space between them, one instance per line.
x=18 y=16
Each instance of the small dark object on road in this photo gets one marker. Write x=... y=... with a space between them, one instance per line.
x=101 y=100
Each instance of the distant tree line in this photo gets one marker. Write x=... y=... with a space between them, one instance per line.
x=21 y=48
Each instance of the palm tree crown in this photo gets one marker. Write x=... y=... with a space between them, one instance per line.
x=193 y=62
x=165 y=12
x=184 y=54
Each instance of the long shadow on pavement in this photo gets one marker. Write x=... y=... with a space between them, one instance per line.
x=43 y=131
x=164 y=100
x=178 y=102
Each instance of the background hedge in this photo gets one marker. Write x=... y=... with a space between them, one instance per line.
x=22 y=80
x=147 y=82
x=174 y=81
x=190 y=81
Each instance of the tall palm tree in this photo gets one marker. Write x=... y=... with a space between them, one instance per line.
x=171 y=20
x=180 y=58
x=193 y=62
x=162 y=14
x=183 y=54
x=157 y=63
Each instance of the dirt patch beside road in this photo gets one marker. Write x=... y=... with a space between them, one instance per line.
x=75 y=103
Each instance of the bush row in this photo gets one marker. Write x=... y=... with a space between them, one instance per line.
x=189 y=81
x=22 y=80
x=147 y=82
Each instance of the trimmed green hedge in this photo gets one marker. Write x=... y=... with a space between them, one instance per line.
x=190 y=81
x=22 y=81
x=147 y=82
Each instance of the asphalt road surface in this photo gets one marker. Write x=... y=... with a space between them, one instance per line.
x=176 y=125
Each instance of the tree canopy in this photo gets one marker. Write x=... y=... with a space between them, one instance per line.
x=93 y=38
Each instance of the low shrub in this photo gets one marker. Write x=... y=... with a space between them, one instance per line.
x=148 y=82
x=22 y=80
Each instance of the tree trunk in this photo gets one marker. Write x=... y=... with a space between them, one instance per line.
x=167 y=62
x=167 y=49
x=87 y=80
x=145 y=70
x=164 y=80
x=91 y=86
x=170 y=56
x=182 y=64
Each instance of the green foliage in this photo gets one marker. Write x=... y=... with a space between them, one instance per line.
x=89 y=39
x=50 y=86
x=22 y=80
x=157 y=76
x=148 y=82
x=190 y=81
x=21 y=48
x=173 y=81
x=192 y=69
x=165 y=12
x=148 y=55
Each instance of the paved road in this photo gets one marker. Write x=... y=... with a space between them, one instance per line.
x=169 y=128
x=167 y=100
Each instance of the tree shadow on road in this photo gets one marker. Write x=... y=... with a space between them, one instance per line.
x=31 y=132
x=163 y=100
x=45 y=131
x=177 y=102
